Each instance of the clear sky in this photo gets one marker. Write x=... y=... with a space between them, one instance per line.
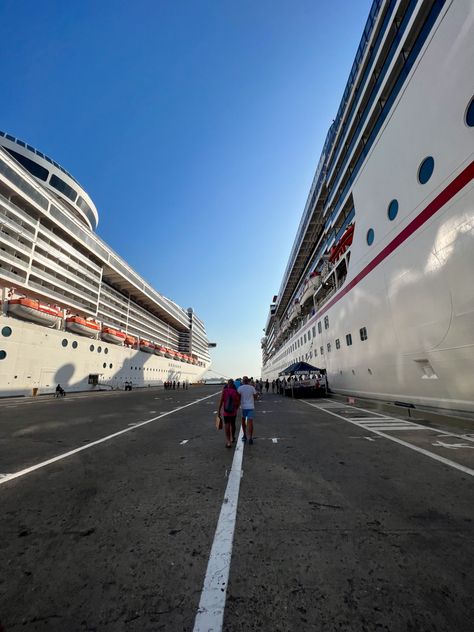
x=195 y=126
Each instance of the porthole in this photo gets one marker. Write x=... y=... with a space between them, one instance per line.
x=106 y=351
x=392 y=210
x=104 y=366
x=91 y=348
x=425 y=170
x=110 y=366
x=99 y=349
x=3 y=354
x=64 y=342
x=370 y=236
x=470 y=113
x=7 y=331
x=74 y=344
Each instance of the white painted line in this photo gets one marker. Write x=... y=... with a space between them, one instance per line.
x=27 y=470
x=381 y=427
x=369 y=438
x=210 y=613
x=275 y=439
x=432 y=455
x=183 y=442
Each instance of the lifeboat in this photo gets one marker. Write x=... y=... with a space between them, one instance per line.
x=34 y=311
x=181 y=357
x=82 y=326
x=147 y=346
x=157 y=350
x=186 y=358
x=167 y=353
x=130 y=341
x=114 y=336
x=311 y=284
x=342 y=245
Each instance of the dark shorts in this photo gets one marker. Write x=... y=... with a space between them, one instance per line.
x=229 y=419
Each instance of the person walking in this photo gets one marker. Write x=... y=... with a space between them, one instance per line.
x=247 y=402
x=228 y=407
x=267 y=385
x=273 y=386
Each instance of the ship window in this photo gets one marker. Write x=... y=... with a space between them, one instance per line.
x=326 y=322
x=99 y=349
x=348 y=339
x=3 y=354
x=370 y=236
x=322 y=350
x=30 y=165
x=338 y=343
x=91 y=348
x=106 y=351
x=62 y=187
x=314 y=332
x=363 y=333
x=64 y=342
x=74 y=344
x=110 y=366
x=329 y=347
x=305 y=337
x=6 y=331
x=309 y=334
x=320 y=329
x=31 y=148
x=104 y=365
x=10 y=137
x=392 y=210
x=425 y=170
x=21 y=143
x=470 y=113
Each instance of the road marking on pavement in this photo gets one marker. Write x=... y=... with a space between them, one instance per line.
x=453 y=446
x=432 y=455
x=275 y=439
x=183 y=442
x=210 y=613
x=27 y=470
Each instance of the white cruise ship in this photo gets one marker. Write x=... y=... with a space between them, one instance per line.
x=378 y=289
x=72 y=311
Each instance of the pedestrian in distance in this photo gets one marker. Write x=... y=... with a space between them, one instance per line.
x=228 y=406
x=247 y=394
x=273 y=386
x=267 y=385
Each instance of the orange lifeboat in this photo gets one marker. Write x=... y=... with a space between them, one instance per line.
x=147 y=346
x=159 y=350
x=114 y=336
x=34 y=311
x=342 y=245
x=130 y=341
x=82 y=326
x=168 y=353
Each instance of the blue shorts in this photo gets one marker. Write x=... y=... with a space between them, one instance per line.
x=248 y=412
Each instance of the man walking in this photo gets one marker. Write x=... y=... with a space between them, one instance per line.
x=247 y=402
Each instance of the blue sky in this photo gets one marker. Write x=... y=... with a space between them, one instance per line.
x=196 y=128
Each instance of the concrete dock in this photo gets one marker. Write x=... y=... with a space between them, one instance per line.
x=339 y=517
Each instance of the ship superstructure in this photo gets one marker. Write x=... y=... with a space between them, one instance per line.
x=378 y=286
x=73 y=311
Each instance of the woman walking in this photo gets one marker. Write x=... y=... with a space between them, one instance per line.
x=228 y=406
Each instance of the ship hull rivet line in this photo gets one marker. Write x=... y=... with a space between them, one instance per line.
x=38 y=466
x=210 y=615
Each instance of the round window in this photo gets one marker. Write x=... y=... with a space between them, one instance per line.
x=3 y=354
x=99 y=349
x=64 y=342
x=106 y=351
x=7 y=331
x=74 y=344
x=392 y=210
x=104 y=365
x=110 y=366
x=470 y=113
x=370 y=236
x=91 y=348
x=425 y=170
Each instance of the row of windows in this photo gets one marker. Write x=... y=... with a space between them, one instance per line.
x=309 y=355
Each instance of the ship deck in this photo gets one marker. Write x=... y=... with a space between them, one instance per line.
x=347 y=518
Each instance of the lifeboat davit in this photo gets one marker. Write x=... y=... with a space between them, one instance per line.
x=114 y=336
x=36 y=312
x=342 y=245
x=130 y=341
x=82 y=326
x=147 y=346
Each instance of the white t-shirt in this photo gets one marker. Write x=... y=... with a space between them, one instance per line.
x=247 y=392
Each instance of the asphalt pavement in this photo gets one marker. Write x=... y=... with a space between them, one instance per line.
x=342 y=518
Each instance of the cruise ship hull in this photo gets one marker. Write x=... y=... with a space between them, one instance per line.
x=41 y=358
x=407 y=301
